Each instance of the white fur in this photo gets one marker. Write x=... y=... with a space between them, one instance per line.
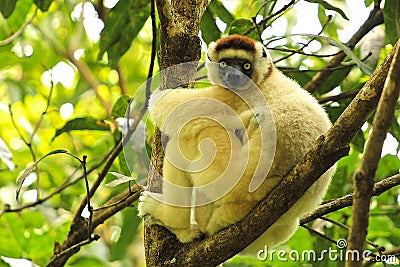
x=299 y=121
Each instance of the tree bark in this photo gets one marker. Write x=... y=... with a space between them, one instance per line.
x=180 y=22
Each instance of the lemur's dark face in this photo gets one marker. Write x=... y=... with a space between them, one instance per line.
x=235 y=72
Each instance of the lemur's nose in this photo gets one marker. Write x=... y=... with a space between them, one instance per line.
x=234 y=77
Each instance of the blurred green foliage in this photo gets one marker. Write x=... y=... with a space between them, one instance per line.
x=45 y=58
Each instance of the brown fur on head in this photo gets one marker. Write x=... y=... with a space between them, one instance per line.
x=236 y=42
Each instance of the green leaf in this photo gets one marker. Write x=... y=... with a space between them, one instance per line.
x=85 y=123
x=359 y=141
x=241 y=26
x=12 y=235
x=18 y=16
x=120 y=107
x=328 y=6
x=120 y=179
x=395 y=129
x=368 y=2
x=341 y=183
x=23 y=176
x=123 y=164
x=129 y=231
x=208 y=27
x=217 y=8
x=302 y=77
x=6 y=155
x=331 y=29
x=125 y=20
x=334 y=112
x=335 y=79
x=388 y=165
x=382 y=226
x=86 y=261
x=43 y=4
x=32 y=167
x=7 y=7
x=363 y=67
x=391 y=15
x=30 y=234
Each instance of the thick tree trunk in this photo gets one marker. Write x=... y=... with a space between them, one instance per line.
x=180 y=23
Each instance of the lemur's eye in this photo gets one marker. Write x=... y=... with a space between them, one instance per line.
x=222 y=64
x=247 y=66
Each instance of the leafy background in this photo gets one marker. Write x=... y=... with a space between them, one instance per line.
x=63 y=86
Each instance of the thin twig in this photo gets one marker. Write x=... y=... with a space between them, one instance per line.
x=308 y=42
x=375 y=18
x=349 y=94
x=386 y=213
x=98 y=218
x=376 y=246
x=113 y=204
x=89 y=207
x=28 y=143
x=285 y=49
x=90 y=78
x=346 y=201
x=18 y=130
x=121 y=79
x=66 y=184
x=83 y=68
x=288 y=70
x=319 y=234
x=18 y=33
x=38 y=124
x=40 y=201
x=267 y=18
x=73 y=249
x=253 y=19
x=153 y=49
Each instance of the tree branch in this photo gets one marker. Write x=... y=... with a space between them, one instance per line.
x=364 y=178
x=90 y=78
x=375 y=18
x=302 y=46
x=347 y=201
x=83 y=68
x=71 y=250
x=127 y=198
x=264 y=22
x=18 y=33
x=78 y=234
x=344 y=95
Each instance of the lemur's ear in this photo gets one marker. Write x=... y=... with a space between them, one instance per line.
x=211 y=45
x=211 y=51
x=264 y=53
